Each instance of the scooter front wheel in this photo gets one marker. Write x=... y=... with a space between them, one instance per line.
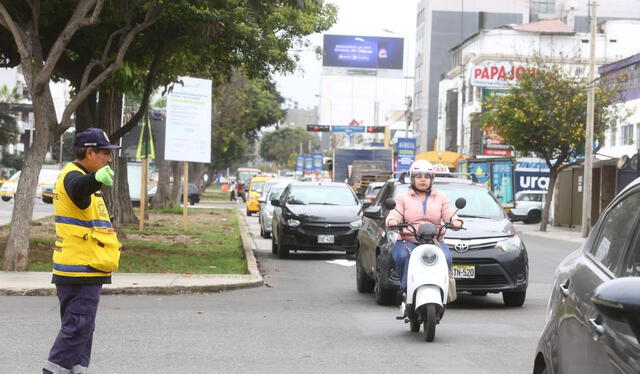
x=429 y=322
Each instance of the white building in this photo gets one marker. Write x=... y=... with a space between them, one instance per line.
x=484 y=60
x=443 y=24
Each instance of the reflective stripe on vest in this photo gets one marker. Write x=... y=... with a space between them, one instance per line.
x=79 y=222
x=75 y=268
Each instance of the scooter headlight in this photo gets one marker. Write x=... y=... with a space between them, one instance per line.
x=429 y=256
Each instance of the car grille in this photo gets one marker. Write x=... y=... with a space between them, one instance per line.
x=470 y=245
x=322 y=228
x=497 y=279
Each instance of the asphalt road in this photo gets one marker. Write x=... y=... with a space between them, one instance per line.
x=40 y=210
x=308 y=318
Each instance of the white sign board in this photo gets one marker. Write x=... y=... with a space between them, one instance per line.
x=497 y=74
x=188 y=134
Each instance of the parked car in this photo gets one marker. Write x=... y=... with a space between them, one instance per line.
x=272 y=192
x=593 y=316
x=46 y=177
x=47 y=194
x=528 y=206
x=255 y=190
x=370 y=193
x=487 y=257
x=194 y=194
x=315 y=216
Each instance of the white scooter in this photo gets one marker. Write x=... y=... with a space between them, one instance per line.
x=427 y=277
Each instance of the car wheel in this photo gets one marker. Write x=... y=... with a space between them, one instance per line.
x=192 y=202
x=283 y=252
x=383 y=296
x=267 y=235
x=274 y=246
x=261 y=232
x=364 y=283
x=514 y=298
x=6 y=198
x=47 y=200
x=248 y=213
x=430 y=322
x=534 y=216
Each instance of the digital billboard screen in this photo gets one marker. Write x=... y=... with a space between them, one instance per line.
x=367 y=52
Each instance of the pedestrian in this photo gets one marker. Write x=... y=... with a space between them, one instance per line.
x=86 y=251
x=420 y=204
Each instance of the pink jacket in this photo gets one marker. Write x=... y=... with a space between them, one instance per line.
x=439 y=209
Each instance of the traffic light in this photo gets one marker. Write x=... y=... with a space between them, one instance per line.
x=318 y=128
x=375 y=129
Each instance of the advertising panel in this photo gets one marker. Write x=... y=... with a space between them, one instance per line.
x=481 y=172
x=531 y=175
x=317 y=163
x=503 y=181
x=308 y=164
x=300 y=164
x=366 y=52
x=497 y=74
x=406 y=148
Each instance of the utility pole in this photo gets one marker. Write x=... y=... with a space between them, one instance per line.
x=407 y=115
x=588 y=146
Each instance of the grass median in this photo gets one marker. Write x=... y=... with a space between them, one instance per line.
x=211 y=245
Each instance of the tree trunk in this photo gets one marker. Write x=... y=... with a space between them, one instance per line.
x=197 y=173
x=117 y=197
x=16 y=257
x=86 y=114
x=178 y=172
x=162 y=198
x=553 y=175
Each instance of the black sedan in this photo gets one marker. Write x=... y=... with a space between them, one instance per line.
x=487 y=257
x=315 y=216
x=593 y=317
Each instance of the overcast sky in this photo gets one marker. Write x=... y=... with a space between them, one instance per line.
x=390 y=18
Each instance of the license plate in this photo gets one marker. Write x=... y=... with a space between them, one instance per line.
x=326 y=239
x=464 y=271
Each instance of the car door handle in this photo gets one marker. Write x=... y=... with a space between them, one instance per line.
x=564 y=287
x=597 y=328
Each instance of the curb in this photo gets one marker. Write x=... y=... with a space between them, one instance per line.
x=221 y=282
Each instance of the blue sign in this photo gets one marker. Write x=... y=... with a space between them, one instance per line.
x=347 y=129
x=481 y=172
x=503 y=181
x=531 y=174
x=317 y=162
x=367 y=52
x=308 y=163
x=406 y=148
x=300 y=164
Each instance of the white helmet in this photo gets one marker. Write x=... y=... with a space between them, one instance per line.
x=421 y=167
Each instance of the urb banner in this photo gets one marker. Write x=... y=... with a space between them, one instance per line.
x=299 y=164
x=308 y=164
x=406 y=148
x=317 y=162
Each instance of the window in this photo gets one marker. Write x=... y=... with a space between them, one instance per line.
x=321 y=195
x=613 y=139
x=631 y=266
x=627 y=134
x=543 y=6
x=617 y=230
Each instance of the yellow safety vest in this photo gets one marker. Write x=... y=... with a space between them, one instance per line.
x=86 y=244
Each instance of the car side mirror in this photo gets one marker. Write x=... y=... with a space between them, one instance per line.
x=618 y=299
x=390 y=204
x=366 y=204
x=262 y=200
x=374 y=212
x=275 y=202
x=461 y=203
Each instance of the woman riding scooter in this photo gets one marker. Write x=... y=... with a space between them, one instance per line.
x=420 y=204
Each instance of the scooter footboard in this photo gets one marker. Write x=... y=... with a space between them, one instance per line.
x=428 y=294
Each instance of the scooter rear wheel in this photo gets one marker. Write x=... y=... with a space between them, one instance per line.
x=430 y=322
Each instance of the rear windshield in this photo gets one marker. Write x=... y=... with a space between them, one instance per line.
x=480 y=202
x=257 y=186
x=321 y=195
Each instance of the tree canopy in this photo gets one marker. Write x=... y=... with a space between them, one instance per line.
x=279 y=145
x=546 y=115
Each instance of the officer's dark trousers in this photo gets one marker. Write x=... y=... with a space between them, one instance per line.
x=78 y=307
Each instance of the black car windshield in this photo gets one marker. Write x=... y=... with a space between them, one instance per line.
x=480 y=203
x=321 y=195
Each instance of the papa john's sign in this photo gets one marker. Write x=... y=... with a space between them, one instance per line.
x=497 y=74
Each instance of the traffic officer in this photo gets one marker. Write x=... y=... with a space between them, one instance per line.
x=86 y=250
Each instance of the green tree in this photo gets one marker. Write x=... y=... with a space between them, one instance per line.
x=9 y=95
x=67 y=148
x=545 y=115
x=8 y=129
x=277 y=146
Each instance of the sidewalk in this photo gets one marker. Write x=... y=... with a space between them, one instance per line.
x=573 y=235
x=39 y=283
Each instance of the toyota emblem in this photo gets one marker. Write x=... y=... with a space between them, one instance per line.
x=461 y=247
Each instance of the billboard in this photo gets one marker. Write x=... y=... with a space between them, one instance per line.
x=366 y=52
x=406 y=148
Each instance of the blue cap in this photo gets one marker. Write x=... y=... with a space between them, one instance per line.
x=94 y=138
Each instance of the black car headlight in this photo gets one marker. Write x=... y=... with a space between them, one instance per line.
x=429 y=256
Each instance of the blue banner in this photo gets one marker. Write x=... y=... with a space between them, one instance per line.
x=357 y=51
x=299 y=164
x=308 y=163
x=347 y=129
x=317 y=162
x=406 y=148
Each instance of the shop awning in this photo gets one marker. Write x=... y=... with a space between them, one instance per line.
x=446 y=158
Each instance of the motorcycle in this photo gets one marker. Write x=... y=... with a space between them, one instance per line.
x=427 y=275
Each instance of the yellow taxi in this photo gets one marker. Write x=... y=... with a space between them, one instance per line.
x=255 y=190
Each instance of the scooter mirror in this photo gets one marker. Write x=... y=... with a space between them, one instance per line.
x=390 y=204
x=461 y=203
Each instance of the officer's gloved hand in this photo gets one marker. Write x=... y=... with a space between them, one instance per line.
x=105 y=175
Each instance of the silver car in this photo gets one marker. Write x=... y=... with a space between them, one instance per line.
x=593 y=318
x=271 y=191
